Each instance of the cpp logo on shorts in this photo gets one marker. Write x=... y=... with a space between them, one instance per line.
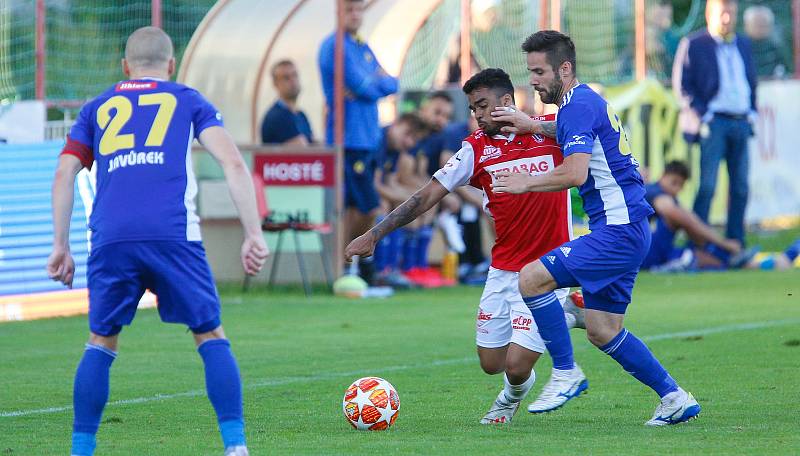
x=521 y=323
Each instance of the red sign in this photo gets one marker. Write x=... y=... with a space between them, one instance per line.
x=304 y=170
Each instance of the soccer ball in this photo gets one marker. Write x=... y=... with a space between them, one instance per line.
x=371 y=403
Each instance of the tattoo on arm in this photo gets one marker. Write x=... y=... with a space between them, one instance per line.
x=402 y=215
x=549 y=129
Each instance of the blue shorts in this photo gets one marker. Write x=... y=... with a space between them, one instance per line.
x=662 y=246
x=604 y=263
x=175 y=271
x=359 y=180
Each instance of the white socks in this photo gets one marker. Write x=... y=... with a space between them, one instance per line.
x=452 y=231
x=516 y=393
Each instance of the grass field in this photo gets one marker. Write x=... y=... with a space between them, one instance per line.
x=733 y=339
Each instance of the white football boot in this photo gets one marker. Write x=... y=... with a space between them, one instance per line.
x=239 y=450
x=501 y=412
x=676 y=407
x=563 y=386
x=574 y=305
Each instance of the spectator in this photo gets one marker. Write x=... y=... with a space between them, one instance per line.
x=365 y=82
x=661 y=38
x=473 y=265
x=436 y=110
x=710 y=249
x=758 y=25
x=718 y=82
x=398 y=139
x=284 y=123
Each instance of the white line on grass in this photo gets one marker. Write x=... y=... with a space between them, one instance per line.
x=447 y=362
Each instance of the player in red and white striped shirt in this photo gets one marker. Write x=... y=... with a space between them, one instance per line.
x=528 y=226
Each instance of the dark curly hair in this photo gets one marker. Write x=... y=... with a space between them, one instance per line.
x=491 y=78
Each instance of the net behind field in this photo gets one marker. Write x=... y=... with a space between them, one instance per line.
x=85 y=40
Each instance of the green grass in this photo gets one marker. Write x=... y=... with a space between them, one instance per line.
x=297 y=356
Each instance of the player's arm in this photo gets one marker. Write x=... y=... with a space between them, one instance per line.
x=698 y=231
x=467 y=194
x=221 y=146
x=521 y=123
x=571 y=173
x=418 y=204
x=60 y=265
x=454 y=174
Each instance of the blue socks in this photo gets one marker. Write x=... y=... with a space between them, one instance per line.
x=549 y=317
x=634 y=356
x=89 y=397
x=410 y=241
x=224 y=387
x=793 y=251
x=387 y=252
x=424 y=236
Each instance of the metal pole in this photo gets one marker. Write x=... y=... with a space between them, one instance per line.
x=555 y=14
x=465 y=59
x=41 y=50
x=543 y=14
x=338 y=135
x=640 y=49
x=796 y=36
x=155 y=13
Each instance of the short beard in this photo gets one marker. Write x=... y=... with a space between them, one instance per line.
x=554 y=91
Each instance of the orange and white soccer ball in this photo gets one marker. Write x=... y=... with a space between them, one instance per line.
x=371 y=403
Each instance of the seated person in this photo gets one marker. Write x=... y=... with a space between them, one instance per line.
x=398 y=139
x=473 y=264
x=284 y=123
x=779 y=261
x=436 y=110
x=710 y=250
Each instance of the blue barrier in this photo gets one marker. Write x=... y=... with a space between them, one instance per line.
x=26 y=231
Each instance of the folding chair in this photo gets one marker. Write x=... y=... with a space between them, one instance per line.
x=296 y=226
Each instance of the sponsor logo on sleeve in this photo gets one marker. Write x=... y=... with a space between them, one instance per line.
x=565 y=250
x=577 y=140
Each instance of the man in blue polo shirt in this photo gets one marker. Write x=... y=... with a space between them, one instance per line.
x=284 y=123
x=365 y=82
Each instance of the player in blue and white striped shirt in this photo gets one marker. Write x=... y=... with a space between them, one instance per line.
x=597 y=159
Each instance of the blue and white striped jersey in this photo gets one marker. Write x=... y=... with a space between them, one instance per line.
x=613 y=193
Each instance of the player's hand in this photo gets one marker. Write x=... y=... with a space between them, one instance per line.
x=519 y=122
x=508 y=182
x=363 y=246
x=254 y=254
x=61 y=266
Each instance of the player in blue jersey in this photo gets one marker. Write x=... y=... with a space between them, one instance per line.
x=597 y=159
x=144 y=231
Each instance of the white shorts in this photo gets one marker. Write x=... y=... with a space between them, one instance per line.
x=503 y=317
